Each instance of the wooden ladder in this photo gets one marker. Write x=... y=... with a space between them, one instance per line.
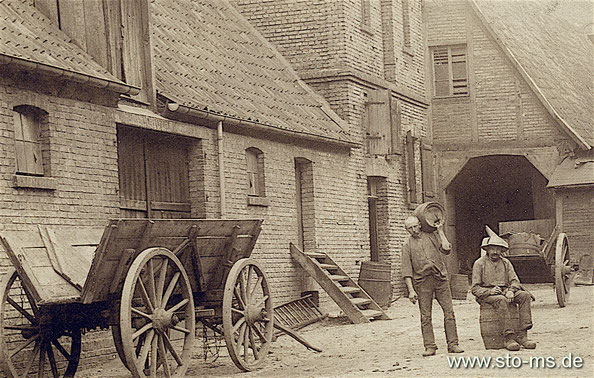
x=358 y=306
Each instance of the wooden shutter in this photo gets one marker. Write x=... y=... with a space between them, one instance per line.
x=428 y=172
x=27 y=144
x=459 y=74
x=252 y=171
x=395 y=125
x=410 y=166
x=441 y=74
x=132 y=174
x=379 y=127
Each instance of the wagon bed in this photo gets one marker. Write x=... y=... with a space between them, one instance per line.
x=142 y=278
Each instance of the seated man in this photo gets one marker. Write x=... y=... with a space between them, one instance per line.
x=494 y=281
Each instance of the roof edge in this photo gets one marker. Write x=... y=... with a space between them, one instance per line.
x=176 y=108
x=70 y=75
x=578 y=139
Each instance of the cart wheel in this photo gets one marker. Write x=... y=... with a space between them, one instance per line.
x=247 y=314
x=157 y=318
x=563 y=271
x=29 y=344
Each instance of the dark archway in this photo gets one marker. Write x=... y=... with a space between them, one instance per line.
x=493 y=189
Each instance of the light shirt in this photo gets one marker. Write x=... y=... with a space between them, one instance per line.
x=422 y=257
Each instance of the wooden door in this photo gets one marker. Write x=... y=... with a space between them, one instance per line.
x=153 y=171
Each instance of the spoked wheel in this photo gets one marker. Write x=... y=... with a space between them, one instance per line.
x=247 y=314
x=563 y=270
x=29 y=342
x=157 y=318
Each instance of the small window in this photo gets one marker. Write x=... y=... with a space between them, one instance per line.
x=366 y=15
x=450 y=75
x=406 y=26
x=28 y=140
x=255 y=172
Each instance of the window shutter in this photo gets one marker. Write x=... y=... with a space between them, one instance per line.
x=28 y=144
x=428 y=172
x=459 y=74
x=410 y=165
x=379 y=127
x=441 y=71
x=396 y=124
x=252 y=170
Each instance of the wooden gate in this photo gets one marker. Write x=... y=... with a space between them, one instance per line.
x=153 y=172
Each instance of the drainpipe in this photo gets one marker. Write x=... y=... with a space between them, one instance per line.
x=221 y=166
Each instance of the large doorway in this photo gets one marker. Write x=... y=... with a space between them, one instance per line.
x=493 y=189
x=153 y=172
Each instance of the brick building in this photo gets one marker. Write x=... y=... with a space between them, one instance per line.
x=511 y=89
x=193 y=114
x=367 y=59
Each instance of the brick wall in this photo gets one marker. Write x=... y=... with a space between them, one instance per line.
x=501 y=106
x=318 y=36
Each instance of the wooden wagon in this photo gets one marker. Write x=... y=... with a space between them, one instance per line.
x=149 y=280
x=540 y=260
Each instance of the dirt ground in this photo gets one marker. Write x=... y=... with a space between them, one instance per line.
x=393 y=347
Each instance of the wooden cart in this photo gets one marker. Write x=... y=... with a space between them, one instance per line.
x=545 y=262
x=150 y=280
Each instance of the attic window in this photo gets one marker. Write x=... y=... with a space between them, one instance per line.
x=450 y=74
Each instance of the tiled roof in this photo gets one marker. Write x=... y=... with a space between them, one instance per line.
x=208 y=57
x=28 y=36
x=549 y=39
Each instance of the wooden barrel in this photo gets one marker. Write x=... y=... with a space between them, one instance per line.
x=459 y=286
x=428 y=213
x=524 y=243
x=375 y=279
x=492 y=325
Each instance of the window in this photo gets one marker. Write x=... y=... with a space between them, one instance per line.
x=406 y=27
x=450 y=76
x=366 y=16
x=382 y=119
x=255 y=176
x=27 y=140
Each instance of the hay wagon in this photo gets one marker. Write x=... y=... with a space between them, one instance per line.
x=147 y=280
x=540 y=254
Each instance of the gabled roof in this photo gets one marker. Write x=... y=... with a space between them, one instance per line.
x=28 y=39
x=209 y=58
x=548 y=42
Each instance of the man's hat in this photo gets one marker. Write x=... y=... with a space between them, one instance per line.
x=493 y=239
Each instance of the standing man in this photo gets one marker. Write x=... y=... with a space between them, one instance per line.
x=494 y=281
x=425 y=275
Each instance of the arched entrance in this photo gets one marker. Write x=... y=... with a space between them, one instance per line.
x=493 y=189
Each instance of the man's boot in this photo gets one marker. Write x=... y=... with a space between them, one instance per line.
x=429 y=352
x=510 y=343
x=524 y=341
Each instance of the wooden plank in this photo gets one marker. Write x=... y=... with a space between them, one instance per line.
x=123 y=266
x=196 y=258
x=96 y=36
x=50 y=249
x=75 y=267
x=72 y=16
x=22 y=266
x=225 y=264
x=90 y=287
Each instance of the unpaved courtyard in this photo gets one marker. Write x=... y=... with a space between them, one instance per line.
x=393 y=347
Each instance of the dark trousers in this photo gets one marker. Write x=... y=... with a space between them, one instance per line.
x=522 y=299
x=441 y=289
